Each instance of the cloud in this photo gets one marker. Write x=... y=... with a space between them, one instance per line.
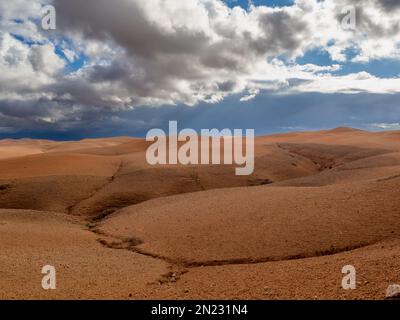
x=169 y=52
x=352 y=83
x=389 y=5
x=386 y=126
x=155 y=52
x=377 y=32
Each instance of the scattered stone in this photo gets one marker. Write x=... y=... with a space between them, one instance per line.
x=260 y=182
x=393 y=291
x=90 y=225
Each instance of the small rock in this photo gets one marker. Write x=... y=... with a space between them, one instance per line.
x=393 y=291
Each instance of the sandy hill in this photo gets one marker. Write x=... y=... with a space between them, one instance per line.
x=316 y=202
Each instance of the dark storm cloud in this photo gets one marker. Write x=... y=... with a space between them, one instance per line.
x=389 y=5
x=366 y=23
x=124 y=22
x=282 y=33
x=157 y=57
x=266 y=114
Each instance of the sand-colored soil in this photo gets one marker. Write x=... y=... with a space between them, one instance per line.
x=116 y=227
x=261 y=224
x=84 y=268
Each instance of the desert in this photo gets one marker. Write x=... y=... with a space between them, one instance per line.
x=115 y=227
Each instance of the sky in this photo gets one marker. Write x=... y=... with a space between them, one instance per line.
x=123 y=67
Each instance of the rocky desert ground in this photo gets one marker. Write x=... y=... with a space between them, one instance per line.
x=115 y=227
